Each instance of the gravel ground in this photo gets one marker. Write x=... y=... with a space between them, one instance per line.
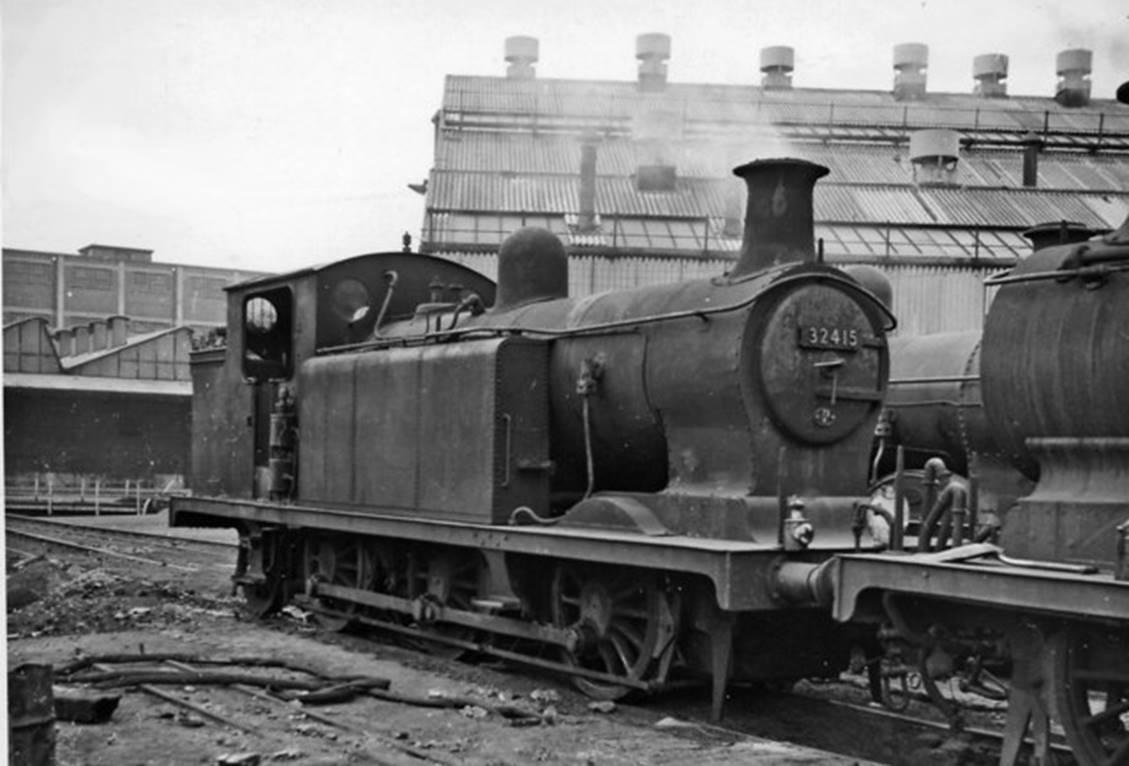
x=70 y=604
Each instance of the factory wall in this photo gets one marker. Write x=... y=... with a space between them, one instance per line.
x=111 y=435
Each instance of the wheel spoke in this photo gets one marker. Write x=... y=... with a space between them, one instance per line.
x=618 y=612
x=630 y=633
x=607 y=656
x=622 y=651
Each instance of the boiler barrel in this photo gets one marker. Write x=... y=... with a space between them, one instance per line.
x=1056 y=351
x=935 y=400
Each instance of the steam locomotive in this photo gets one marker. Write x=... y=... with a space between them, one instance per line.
x=670 y=482
x=630 y=487
x=1024 y=425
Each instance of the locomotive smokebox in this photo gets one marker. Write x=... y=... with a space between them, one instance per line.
x=778 y=216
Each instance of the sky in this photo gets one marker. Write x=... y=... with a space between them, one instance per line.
x=274 y=134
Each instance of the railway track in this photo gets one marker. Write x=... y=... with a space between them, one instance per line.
x=801 y=718
x=139 y=546
x=828 y=716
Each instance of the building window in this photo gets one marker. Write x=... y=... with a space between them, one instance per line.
x=91 y=279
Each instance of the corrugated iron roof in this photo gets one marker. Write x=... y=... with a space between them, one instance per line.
x=558 y=195
x=523 y=153
x=522 y=158
x=616 y=102
x=697 y=198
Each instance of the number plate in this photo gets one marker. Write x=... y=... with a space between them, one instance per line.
x=830 y=337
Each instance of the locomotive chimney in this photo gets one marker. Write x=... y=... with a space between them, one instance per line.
x=652 y=50
x=778 y=214
x=587 y=218
x=521 y=55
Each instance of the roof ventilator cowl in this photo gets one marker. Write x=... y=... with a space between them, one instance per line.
x=522 y=56
x=910 y=62
x=990 y=72
x=777 y=63
x=1073 y=67
x=652 y=49
x=935 y=154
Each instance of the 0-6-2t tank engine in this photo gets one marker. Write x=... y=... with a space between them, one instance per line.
x=623 y=487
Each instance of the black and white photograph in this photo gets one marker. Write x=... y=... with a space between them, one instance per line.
x=577 y=383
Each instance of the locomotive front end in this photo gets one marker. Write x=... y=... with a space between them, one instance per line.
x=727 y=406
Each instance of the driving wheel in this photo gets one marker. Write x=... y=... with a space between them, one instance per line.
x=1091 y=685
x=618 y=617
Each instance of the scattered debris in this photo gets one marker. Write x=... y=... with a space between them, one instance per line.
x=550 y=716
x=544 y=695
x=31 y=559
x=295 y=613
x=672 y=723
x=190 y=721
x=513 y=713
x=239 y=759
x=602 y=706
x=289 y=754
x=474 y=711
x=84 y=705
x=340 y=692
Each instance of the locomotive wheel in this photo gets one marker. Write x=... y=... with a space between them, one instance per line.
x=618 y=614
x=261 y=554
x=390 y=577
x=1091 y=693
x=447 y=578
x=338 y=560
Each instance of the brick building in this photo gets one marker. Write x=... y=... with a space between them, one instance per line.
x=99 y=281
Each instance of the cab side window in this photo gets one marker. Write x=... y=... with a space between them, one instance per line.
x=268 y=343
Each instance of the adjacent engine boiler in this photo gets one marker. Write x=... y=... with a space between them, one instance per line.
x=1037 y=400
